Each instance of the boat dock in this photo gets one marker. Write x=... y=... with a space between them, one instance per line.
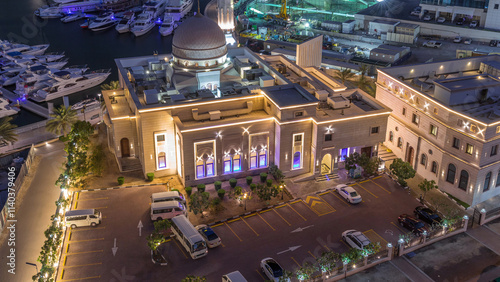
x=28 y=105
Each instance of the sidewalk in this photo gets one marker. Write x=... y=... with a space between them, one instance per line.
x=410 y=270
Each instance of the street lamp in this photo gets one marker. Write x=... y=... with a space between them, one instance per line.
x=282 y=187
x=99 y=95
x=32 y=264
x=245 y=199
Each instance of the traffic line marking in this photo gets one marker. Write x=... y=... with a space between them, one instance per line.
x=64 y=262
x=260 y=274
x=105 y=198
x=250 y=215
x=266 y=222
x=62 y=274
x=84 y=278
x=312 y=209
x=326 y=247
x=86 y=229
x=233 y=232
x=333 y=209
x=377 y=177
x=297 y=213
x=265 y=211
x=294 y=202
x=282 y=217
x=311 y=254
x=250 y=227
x=82 y=265
x=367 y=191
x=87 y=252
x=399 y=228
x=364 y=181
x=296 y=262
x=217 y=225
x=179 y=247
x=284 y=205
x=88 y=240
x=69 y=236
x=381 y=187
x=376 y=235
x=338 y=197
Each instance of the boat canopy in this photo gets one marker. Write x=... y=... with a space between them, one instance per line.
x=13 y=54
x=61 y=73
x=38 y=68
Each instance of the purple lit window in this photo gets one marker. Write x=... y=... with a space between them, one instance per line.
x=296 y=160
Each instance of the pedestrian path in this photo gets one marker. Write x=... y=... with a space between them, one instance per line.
x=487 y=237
x=410 y=270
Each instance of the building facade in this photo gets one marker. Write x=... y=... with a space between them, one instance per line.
x=445 y=121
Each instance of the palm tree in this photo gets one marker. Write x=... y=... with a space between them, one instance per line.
x=366 y=85
x=344 y=75
x=111 y=86
x=363 y=69
x=62 y=120
x=7 y=133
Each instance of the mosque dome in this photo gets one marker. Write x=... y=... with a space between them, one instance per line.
x=200 y=41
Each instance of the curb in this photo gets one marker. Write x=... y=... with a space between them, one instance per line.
x=121 y=187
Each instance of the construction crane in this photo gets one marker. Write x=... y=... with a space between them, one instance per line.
x=281 y=18
x=283 y=14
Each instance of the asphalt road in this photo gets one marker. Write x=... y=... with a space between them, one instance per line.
x=33 y=216
x=309 y=226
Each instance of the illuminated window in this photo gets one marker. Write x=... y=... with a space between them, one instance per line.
x=236 y=163
x=200 y=168
x=434 y=130
x=162 y=160
x=464 y=179
x=434 y=167
x=296 y=160
x=470 y=149
x=487 y=181
x=343 y=154
x=253 y=160
x=227 y=164
x=391 y=136
x=160 y=149
x=210 y=167
x=263 y=158
x=450 y=176
x=298 y=147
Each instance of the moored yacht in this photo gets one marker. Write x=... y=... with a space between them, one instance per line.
x=177 y=9
x=125 y=22
x=73 y=17
x=156 y=7
x=64 y=83
x=46 y=12
x=87 y=103
x=167 y=26
x=144 y=23
x=104 y=21
x=7 y=109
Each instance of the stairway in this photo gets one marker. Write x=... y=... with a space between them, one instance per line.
x=130 y=164
x=327 y=177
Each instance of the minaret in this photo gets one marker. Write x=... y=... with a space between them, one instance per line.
x=225 y=15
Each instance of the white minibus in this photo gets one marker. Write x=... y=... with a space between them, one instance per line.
x=79 y=218
x=167 y=210
x=167 y=196
x=189 y=237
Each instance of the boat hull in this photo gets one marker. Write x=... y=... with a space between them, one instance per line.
x=140 y=32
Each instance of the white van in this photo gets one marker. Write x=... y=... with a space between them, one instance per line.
x=167 y=210
x=234 y=276
x=79 y=218
x=167 y=196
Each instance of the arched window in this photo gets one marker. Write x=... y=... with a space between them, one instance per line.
x=253 y=159
x=296 y=160
x=227 y=164
x=450 y=176
x=464 y=179
x=400 y=142
x=487 y=181
x=423 y=160
x=162 y=161
x=434 y=167
x=236 y=162
x=210 y=167
x=391 y=136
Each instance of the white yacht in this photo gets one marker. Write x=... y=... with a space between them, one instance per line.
x=64 y=83
x=87 y=103
x=46 y=12
x=64 y=1
x=167 y=26
x=156 y=7
x=12 y=73
x=40 y=58
x=73 y=17
x=104 y=21
x=80 y=6
x=144 y=23
x=6 y=109
x=124 y=24
x=24 y=49
x=178 y=8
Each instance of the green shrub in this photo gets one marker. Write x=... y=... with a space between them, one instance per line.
x=218 y=185
x=233 y=182
x=249 y=180
x=151 y=176
x=189 y=190
x=221 y=193
x=121 y=180
x=201 y=188
x=263 y=177
x=253 y=186
x=269 y=182
x=238 y=190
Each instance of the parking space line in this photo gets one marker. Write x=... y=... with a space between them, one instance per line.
x=367 y=190
x=297 y=212
x=76 y=199
x=250 y=215
x=62 y=274
x=260 y=274
x=311 y=254
x=67 y=248
x=363 y=181
x=266 y=222
x=399 y=228
x=264 y=211
x=249 y=226
x=233 y=220
x=326 y=247
x=281 y=217
x=284 y=205
x=86 y=229
x=64 y=262
x=338 y=197
x=326 y=203
x=377 y=177
x=296 y=262
x=87 y=252
x=311 y=208
x=81 y=265
x=217 y=225
x=84 y=278
x=105 y=198
x=182 y=251
x=376 y=234
x=88 y=240
x=343 y=242
x=381 y=187
x=233 y=232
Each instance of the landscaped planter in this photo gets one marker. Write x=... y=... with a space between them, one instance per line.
x=158 y=258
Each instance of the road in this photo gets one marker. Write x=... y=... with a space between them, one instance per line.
x=33 y=213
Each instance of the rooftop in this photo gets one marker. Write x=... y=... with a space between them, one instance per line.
x=289 y=95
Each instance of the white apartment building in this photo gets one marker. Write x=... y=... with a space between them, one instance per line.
x=445 y=121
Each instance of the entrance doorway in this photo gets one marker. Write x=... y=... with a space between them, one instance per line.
x=410 y=156
x=125 y=147
x=326 y=164
x=367 y=151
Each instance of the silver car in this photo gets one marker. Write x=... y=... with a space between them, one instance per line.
x=355 y=239
x=348 y=193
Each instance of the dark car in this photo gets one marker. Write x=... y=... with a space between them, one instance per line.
x=427 y=215
x=460 y=21
x=414 y=225
x=493 y=43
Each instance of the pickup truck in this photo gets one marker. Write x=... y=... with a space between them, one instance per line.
x=432 y=44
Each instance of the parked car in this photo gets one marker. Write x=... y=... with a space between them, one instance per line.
x=209 y=235
x=493 y=43
x=460 y=21
x=348 y=193
x=473 y=24
x=457 y=39
x=355 y=239
x=414 y=225
x=432 y=44
x=415 y=13
x=468 y=41
x=428 y=17
x=427 y=215
x=440 y=20
x=272 y=269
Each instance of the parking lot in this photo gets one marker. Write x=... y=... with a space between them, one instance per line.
x=291 y=233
